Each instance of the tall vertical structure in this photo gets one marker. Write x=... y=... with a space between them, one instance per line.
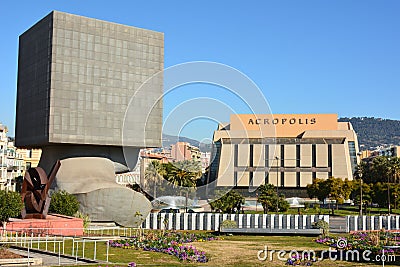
x=76 y=78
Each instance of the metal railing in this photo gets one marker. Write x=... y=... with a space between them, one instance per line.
x=73 y=247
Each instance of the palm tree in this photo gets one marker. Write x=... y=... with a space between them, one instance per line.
x=184 y=174
x=154 y=174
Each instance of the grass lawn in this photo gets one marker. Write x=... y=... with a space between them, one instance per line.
x=234 y=250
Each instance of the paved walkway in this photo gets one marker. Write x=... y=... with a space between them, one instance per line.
x=48 y=259
x=337 y=224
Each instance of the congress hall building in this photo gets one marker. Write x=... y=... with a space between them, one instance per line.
x=288 y=150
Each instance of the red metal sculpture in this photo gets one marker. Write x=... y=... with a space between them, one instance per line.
x=34 y=193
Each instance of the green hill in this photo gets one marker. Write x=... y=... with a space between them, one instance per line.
x=373 y=132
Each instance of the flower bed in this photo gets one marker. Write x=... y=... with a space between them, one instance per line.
x=374 y=241
x=172 y=243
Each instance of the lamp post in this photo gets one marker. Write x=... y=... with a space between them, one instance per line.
x=361 y=193
x=388 y=187
x=277 y=183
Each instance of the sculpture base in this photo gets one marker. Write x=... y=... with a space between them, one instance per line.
x=54 y=224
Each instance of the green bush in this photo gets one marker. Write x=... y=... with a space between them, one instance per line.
x=321 y=224
x=228 y=224
x=10 y=205
x=63 y=203
x=84 y=217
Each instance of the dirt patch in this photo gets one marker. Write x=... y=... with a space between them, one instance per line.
x=6 y=254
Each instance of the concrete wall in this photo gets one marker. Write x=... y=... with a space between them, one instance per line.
x=363 y=223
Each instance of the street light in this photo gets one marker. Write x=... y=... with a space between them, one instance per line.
x=361 y=193
x=277 y=183
x=388 y=190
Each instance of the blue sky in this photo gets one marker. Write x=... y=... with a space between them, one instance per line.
x=306 y=56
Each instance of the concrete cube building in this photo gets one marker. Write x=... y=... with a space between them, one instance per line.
x=76 y=77
x=90 y=92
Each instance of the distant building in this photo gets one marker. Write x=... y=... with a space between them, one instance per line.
x=390 y=151
x=11 y=161
x=286 y=150
x=205 y=160
x=185 y=151
x=31 y=157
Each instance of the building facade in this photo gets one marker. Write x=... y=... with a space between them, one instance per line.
x=389 y=151
x=287 y=150
x=11 y=161
x=185 y=151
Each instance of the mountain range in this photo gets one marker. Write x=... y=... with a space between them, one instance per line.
x=373 y=132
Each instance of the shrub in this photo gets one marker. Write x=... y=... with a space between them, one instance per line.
x=228 y=224
x=63 y=203
x=84 y=217
x=10 y=205
x=321 y=224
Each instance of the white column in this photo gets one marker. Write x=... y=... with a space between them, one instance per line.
x=305 y=221
x=154 y=222
x=201 y=224
x=372 y=222
x=194 y=219
x=170 y=222
x=178 y=221
x=248 y=221
x=280 y=221
x=296 y=221
x=288 y=226
x=148 y=222
x=240 y=221
x=263 y=223
x=365 y=222
x=380 y=222
x=397 y=222
x=162 y=219
x=355 y=222
x=273 y=221
x=208 y=222
x=217 y=222
x=185 y=221
x=389 y=222
x=256 y=218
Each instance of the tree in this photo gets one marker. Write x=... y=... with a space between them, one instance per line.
x=269 y=199
x=335 y=188
x=318 y=189
x=10 y=206
x=339 y=189
x=154 y=175
x=228 y=202
x=63 y=203
x=366 y=191
x=379 y=194
x=183 y=174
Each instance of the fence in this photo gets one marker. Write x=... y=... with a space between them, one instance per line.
x=364 y=223
x=211 y=221
x=75 y=248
